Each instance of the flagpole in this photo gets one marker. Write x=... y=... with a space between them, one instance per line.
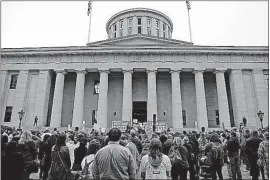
x=190 y=35
x=90 y=15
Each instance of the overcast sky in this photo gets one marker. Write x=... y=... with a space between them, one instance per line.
x=60 y=23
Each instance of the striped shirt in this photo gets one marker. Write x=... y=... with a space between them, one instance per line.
x=113 y=162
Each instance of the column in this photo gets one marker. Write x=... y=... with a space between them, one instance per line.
x=152 y=94
x=238 y=96
x=154 y=27
x=78 y=99
x=135 y=25
x=261 y=95
x=202 y=120
x=127 y=96
x=58 y=98
x=21 y=91
x=3 y=92
x=103 y=98
x=176 y=100
x=144 y=25
x=223 y=104
x=42 y=98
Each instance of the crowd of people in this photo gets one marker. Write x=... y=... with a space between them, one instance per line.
x=86 y=155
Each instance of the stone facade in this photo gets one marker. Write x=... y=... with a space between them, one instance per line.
x=185 y=85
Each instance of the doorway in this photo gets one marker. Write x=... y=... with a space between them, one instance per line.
x=140 y=111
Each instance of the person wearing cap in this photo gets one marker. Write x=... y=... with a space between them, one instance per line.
x=252 y=146
x=114 y=161
x=88 y=160
x=263 y=153
x=155 y=165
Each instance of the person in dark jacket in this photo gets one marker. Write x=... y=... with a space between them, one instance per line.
x=191 y=158
x=79 y=154
x=12 y=163
x=167 y=145
x=47 y=161
x=135 y=140
x=233 y=147
x=251 y=150
x=41 y=153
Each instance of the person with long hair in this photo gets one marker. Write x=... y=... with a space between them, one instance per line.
x=155 y=165
x=60 y=167
x=27 y=148
x=179 y=168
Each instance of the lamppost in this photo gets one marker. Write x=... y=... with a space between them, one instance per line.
x=260 y=115
x=21 y=114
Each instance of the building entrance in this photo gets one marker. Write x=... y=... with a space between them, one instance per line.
x=140 y=111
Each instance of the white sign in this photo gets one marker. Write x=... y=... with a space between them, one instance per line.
x=122 y=125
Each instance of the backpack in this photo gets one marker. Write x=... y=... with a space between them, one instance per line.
x=85 y=172
x=216 y=154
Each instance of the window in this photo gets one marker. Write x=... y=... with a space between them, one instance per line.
x=114 y=30
x=184 y=116
x=96 y=86
x=157 y=27
x=129 y=26
x=217 y=117
x=148 y=26
x=266 y=79
x=139 y=25
x=121 y=28
x=110 y=32
x=94 y=117
x=164 y=28
x=8 y=114
x=13 y=81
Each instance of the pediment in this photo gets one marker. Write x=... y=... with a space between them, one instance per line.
x=140 y=40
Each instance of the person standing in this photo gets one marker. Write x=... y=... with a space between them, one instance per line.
x=179 y=168
x=233 y=147
x=215 y=156
x=155 y=165
x=252 y=146
x=134 y=151
x=113 y=161
x=263 y=153
x=88 y=160
x=79 y=154
x=60 y=167
x=36 y=120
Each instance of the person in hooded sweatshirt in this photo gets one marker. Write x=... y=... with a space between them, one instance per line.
x=155 y=165
x=233 y=147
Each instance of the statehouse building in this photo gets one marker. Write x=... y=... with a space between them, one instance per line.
x=139 y=72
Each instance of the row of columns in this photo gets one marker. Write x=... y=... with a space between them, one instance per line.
x=202 y=120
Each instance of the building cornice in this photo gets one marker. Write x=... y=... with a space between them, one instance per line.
x=154 y=50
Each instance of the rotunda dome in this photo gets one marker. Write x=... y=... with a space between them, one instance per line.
x=139 y=21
